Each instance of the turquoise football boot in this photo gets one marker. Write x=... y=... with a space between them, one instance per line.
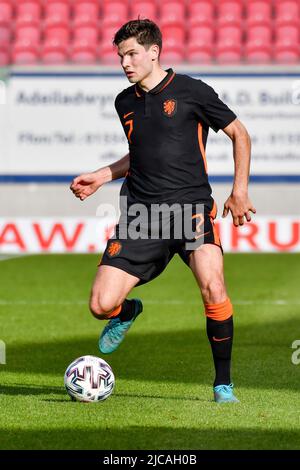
x=224 y=394
x=115 y=330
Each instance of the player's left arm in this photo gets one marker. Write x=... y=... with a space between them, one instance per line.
x=238 y=202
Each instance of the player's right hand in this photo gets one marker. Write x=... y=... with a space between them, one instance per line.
x=84 y=185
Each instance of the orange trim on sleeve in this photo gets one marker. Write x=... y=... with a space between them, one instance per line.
x=219 y=312
x=202 y=149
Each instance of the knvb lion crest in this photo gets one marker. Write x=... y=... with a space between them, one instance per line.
x=170 y=107
x=114 y=249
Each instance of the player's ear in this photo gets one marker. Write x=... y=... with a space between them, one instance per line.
x=154 y=52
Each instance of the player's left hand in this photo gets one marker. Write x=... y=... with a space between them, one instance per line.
x=240 y=207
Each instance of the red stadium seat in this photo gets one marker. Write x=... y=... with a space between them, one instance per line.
x=28 y=11
x=230 y=13
x=109 y=58
x=172 y=55
x=229 y=45
x=287 y=55
x=200 y=54
x=172 y=13
x=258 y=47
x=173 y=33
x=287 y=12
x=6 y=13
x=259 y=56
x=258 y=51
x=201 y=34
x=57 y=27
x=286 y=46
x=259 y=12
x=229 y=54
x=201 y=12
x=5 y=35
x=4 y=57
x=58 y=32
x=229 y=34
x=30 y=32
x=88 y=33
x=260 y=32
x=234 y=1
x=25 y=53
x=289 y=32
x=108 y=33
x=86 y=8
x=86 y=14
x=84 y=52
x=144 y=9
x=200 y=45
x=174 y=1
x=107 y=53
x=173 y=43
x=54 y=52
x=57 y=11
x=115 y=13
x=78 y=2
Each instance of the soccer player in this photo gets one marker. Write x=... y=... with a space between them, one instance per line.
x=166 y=118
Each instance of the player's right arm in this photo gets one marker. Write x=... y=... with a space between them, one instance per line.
x=87 y=184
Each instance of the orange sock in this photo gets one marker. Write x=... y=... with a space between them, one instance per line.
x=114 y=313
x=219 y=312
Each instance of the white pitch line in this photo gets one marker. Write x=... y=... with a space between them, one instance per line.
x=147 y=302
x=6 y=257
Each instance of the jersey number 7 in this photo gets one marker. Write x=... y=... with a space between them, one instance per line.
x=130 y=124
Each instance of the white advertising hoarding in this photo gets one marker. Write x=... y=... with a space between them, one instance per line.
x=66 y=123
x=89 y=235
x=269 y=106
x=63 y=124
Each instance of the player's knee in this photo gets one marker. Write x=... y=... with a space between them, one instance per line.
x=214 y=292
x=100 y=307
x=97 y=309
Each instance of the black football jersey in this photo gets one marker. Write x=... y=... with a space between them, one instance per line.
x=167 y=130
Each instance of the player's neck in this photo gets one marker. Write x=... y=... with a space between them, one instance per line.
x=153 y=79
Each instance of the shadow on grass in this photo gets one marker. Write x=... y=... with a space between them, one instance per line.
x=262 y=356
x=141 y=397
x=164 y=397
x=135 y=437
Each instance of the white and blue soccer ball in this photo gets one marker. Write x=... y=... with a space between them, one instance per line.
x=89 y=379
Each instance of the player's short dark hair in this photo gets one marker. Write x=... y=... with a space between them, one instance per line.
x=146 y=32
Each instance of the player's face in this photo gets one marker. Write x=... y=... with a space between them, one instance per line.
x=137 y=62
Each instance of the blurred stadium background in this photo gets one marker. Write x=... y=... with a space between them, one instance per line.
x=59 y=76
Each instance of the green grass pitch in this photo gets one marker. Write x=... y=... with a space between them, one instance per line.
x=163 y=369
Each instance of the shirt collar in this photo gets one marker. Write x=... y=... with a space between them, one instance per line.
x=158 y=88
